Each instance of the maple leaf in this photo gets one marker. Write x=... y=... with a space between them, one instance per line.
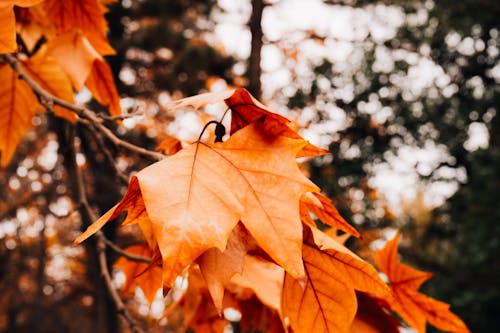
x=169 y=146
x=372 y=316
x=324 y=210
x=261 y=307
x=414 y=307
x=196 y=197
x=86 y=15
x=8 y=26
x=102 y=86
x=75 y=54
x=219 y=267
x=17 y=107
x=245 y=109
x=140 y=274
x=333 y=273
x=46 y=71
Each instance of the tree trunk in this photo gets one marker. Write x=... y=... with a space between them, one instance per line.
x=254 y=69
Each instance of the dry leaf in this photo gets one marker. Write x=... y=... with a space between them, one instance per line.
x=415 y=308
x=17 y=106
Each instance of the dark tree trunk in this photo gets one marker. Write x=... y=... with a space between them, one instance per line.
x=254 y=69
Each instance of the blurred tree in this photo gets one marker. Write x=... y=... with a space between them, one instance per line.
x=391 y=113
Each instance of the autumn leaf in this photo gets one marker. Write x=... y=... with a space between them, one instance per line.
x=324 y=210
x=197 y=312
x=8 y=26
x=102 y=86
x=373 y=317
x=47 y=72
x=140 y=274
x=17 y=107
x=86 y=15
x=169 y=146
x=75 y=55
x=219 y=267
x=414 y=307
x=333 y=273
x=195 y=198
x=245 y=109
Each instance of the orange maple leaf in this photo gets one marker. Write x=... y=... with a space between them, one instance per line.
x=46 y=71
x=195 y=198
x=8 y=26
x=102 y=86
x=86 y=15
x=324 y=210
x=143 y=275
x=245 y=109
x=18 y=105
x=373 y=317
x=333 y=273
x=414 y=307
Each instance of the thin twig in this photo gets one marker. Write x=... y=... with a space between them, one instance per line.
x=125 y=254
x=48 y=100
x=86 y=210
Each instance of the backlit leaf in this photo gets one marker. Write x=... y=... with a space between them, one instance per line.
x=17 y=107
x=415 y=308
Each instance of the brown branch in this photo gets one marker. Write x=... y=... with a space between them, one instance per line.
x=87 y=212
x=125 y=254
x=48 y=101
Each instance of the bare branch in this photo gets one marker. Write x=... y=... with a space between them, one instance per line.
x=125 y=254
x=87 y=212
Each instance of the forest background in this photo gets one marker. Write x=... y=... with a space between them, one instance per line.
x=403 y=93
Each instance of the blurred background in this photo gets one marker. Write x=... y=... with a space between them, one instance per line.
x=403 y=93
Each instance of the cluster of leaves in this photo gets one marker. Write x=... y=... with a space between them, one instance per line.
x=63 y=43
x=235 y=217
x=238 y=215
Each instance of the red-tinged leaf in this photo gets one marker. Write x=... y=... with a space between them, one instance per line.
x=245 y=109
x=102 y=86
x=17 y=107
x=256 y=317
x=415 y=308
x=140 y=274
x=324 y=210
x=75 y=55
x=86 y=15
x=46 y=71
x=373 y=317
